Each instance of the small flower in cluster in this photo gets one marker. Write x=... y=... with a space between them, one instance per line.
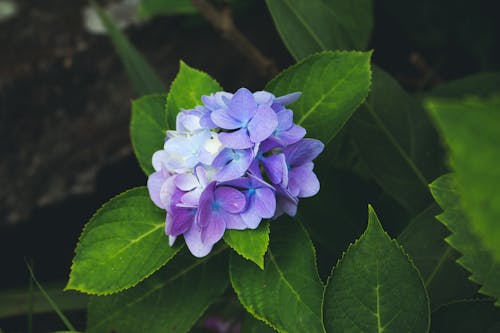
x=230 y=163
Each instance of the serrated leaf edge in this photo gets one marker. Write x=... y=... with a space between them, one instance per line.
x=261 y=261
x=393 y=241
x=263 y=319
x=330 y=52
x=483 y=289
x=84 y=232
x=183 y=65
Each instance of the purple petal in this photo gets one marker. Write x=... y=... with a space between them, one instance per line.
x=215 y=228
x=285 y=119
x=275 y=167
x=264 y=202
x=236 y=167
x=262 y=124
x=237 y=140
x=288 y=99
x=179 y=220
x=186 y=181
x=224 y=120
x=167 y=190
x=192 y=197
x=303 y=151
x=243 y=105
x=205 y=204
x=263 y=97
x=292 y=135
x=193 y=241
x=251 y=218
x=235 y=221
x=230 y=199
x=155 y=182
x=285 y=202
x=303 y=181
x=242 y=183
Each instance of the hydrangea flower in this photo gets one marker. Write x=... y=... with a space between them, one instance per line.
x=231 y=162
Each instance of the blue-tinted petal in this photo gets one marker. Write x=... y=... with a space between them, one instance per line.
x=262 y=124
x=194 y=243
x=303 y=151
x=155 y=182
x=230 y=199
x=288 y=99
x=223 y=119
x=303 y=182
x=205 y=205
x=285 y=119
x=263 y=98
x=275 y=167
x=243 y=106
x=234 y=221
x=237 y=140
x=292 y=135
x=214 y=229
x=264 y=202
x=236 y=167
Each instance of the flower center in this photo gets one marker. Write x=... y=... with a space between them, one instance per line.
x=215 y=206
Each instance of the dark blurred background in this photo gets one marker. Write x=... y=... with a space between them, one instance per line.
x=65 y=106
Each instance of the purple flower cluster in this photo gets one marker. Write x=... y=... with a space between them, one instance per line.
x=237 y=159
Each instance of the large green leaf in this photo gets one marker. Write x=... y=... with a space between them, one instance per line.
x=423 y=240
x=142 y=75
x=375 y=287
x=171 y=300
x=309 y=26
x=471 y=128
x=122 y=244
x=476 y=258
x=333 y=84
x=467 y=316
x=250 y=244
x=397 y=143
x=287 y=293
x=186 y=90
x=148 y=128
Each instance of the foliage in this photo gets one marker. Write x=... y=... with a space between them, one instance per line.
x=407 y=272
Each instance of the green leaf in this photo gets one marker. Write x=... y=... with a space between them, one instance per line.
x=287 y=293
x=467 y=316
x=476 y=258
x=483 y=85
x=333 y=84
x=471 y=128
x=150 y=8
x=250 y=244
x=148 y=128
x=186 y=90
x=171 y=300
x=121 y=245
x=423 y=240
x=142 y=75
x=252 y=325
x=375 y=287
x=309 y=26
x=397 y=143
